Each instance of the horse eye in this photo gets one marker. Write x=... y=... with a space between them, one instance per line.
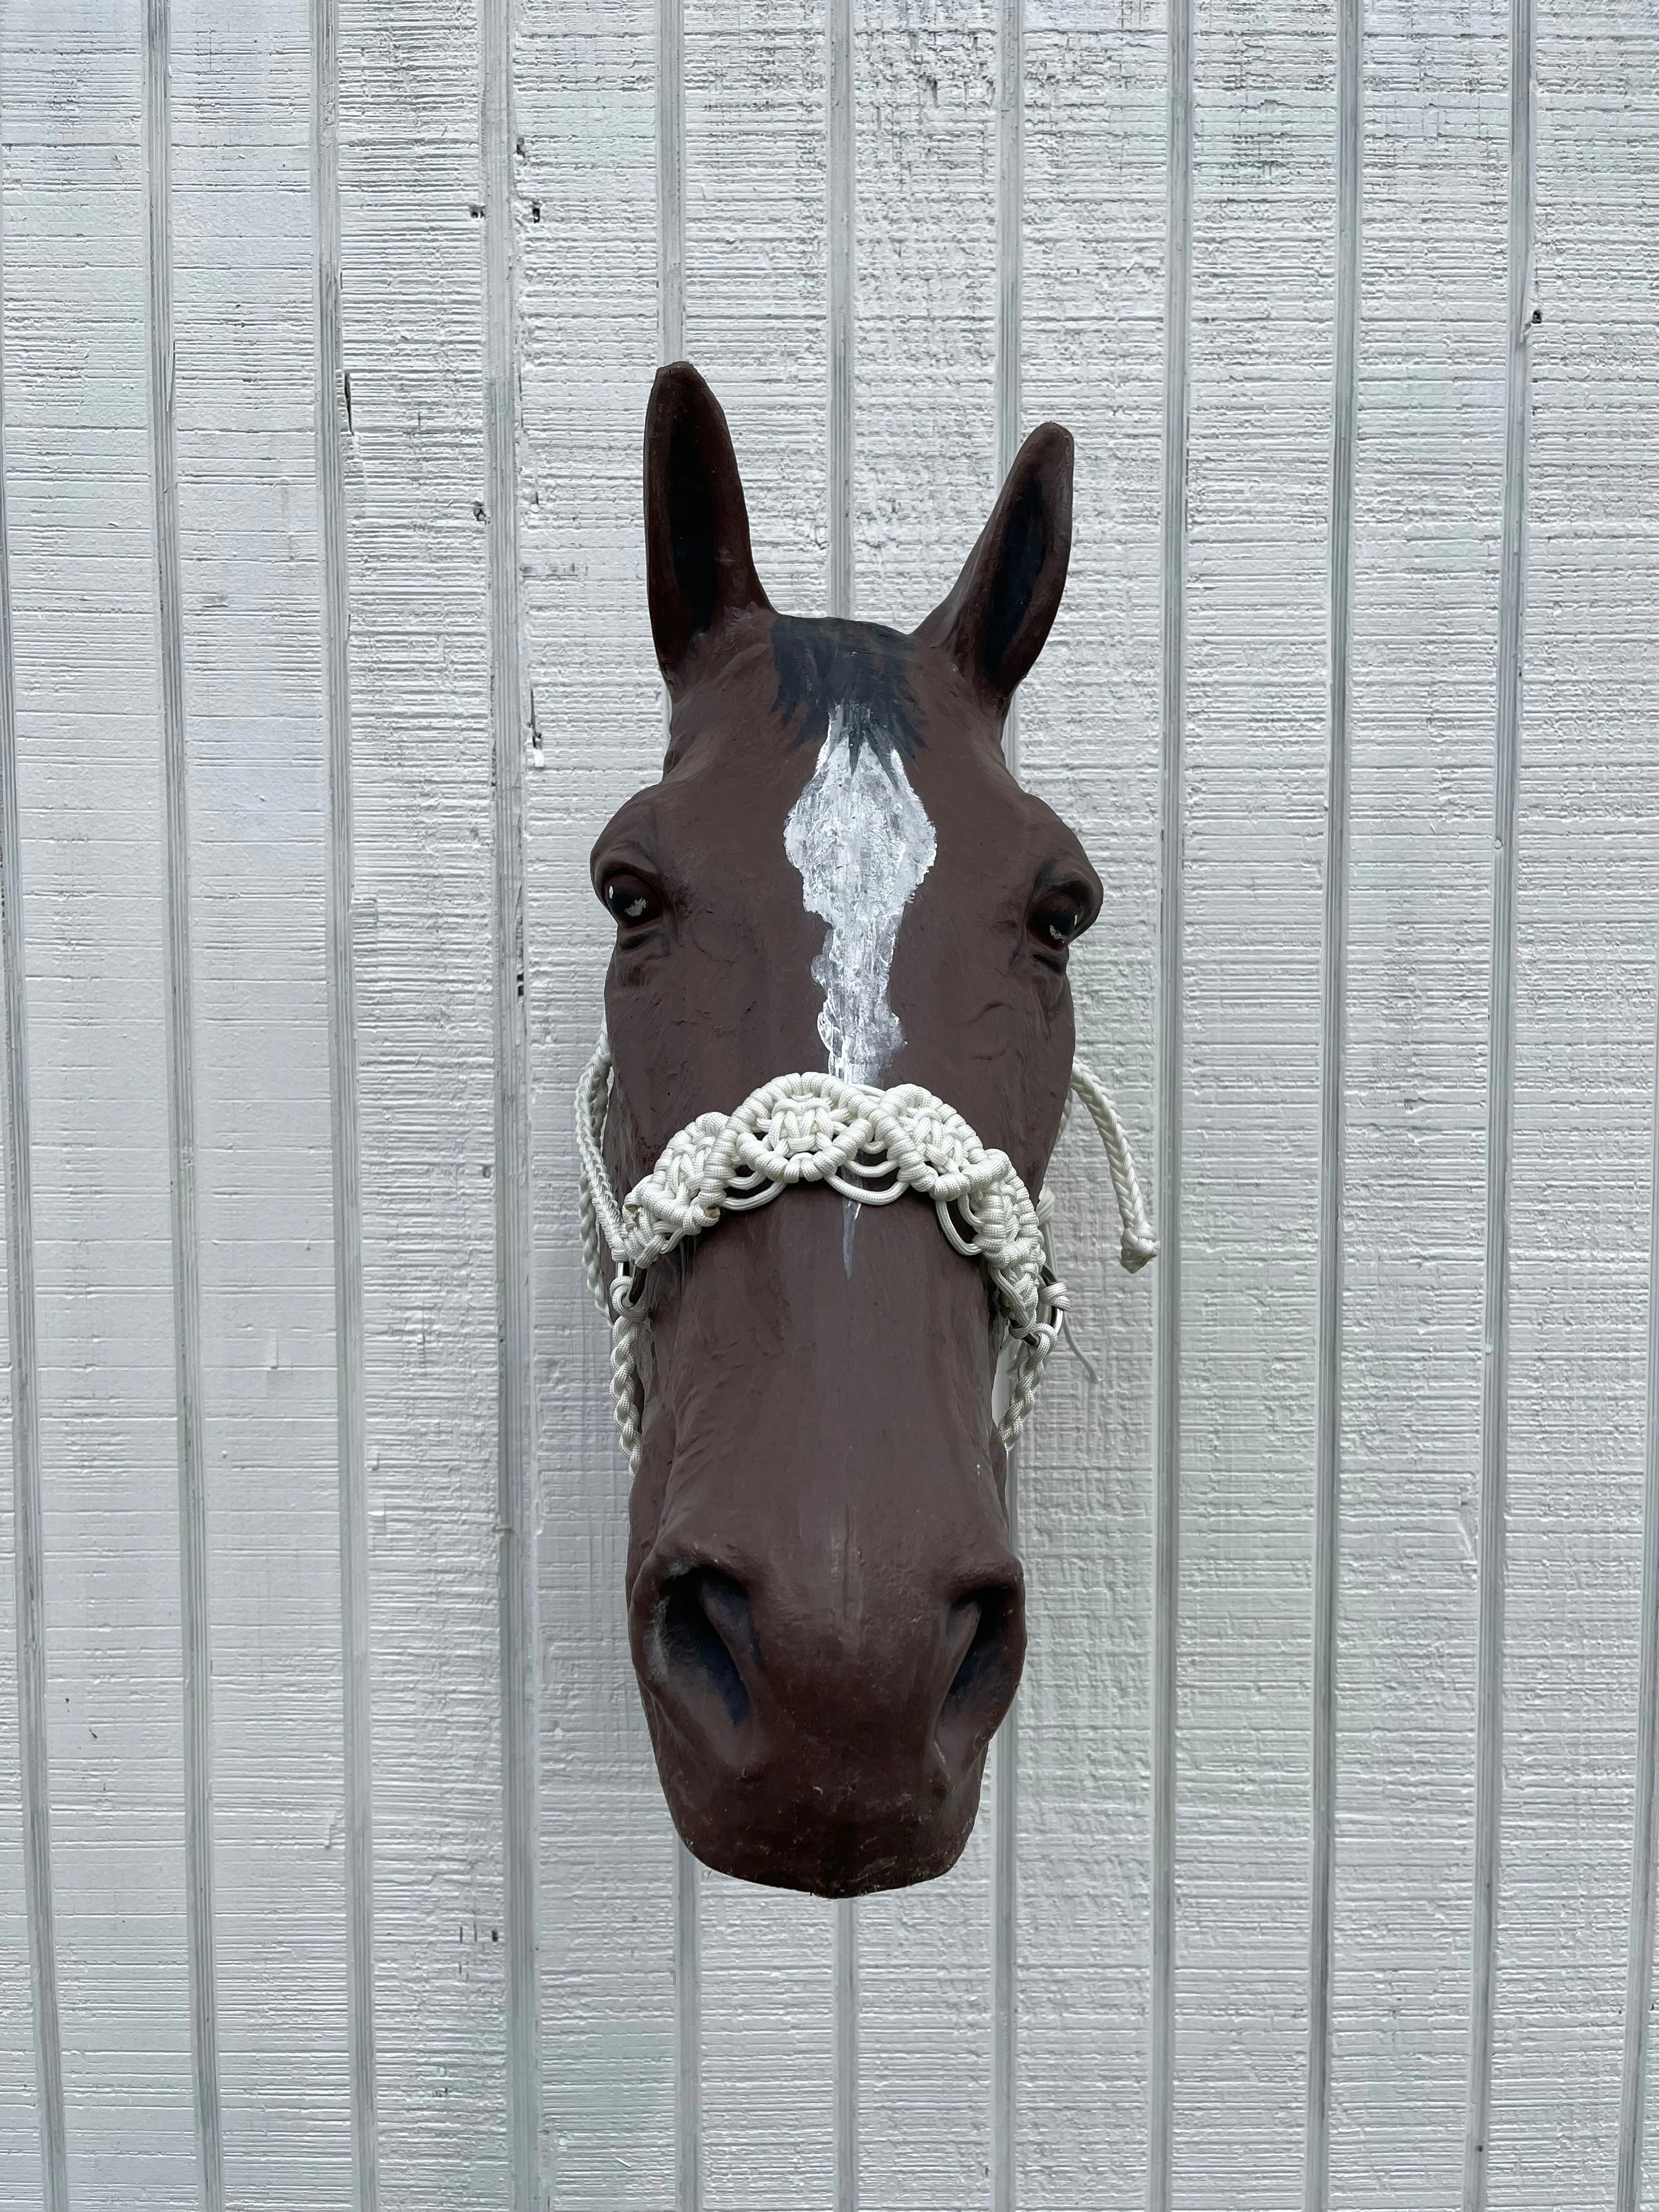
x=1059 y=916
x=631 y=899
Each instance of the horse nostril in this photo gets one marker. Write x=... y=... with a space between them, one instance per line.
x=983 y=1687
x=701 y=1615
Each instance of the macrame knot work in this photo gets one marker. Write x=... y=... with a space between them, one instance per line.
x=872 y=1146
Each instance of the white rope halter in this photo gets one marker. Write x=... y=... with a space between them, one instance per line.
x=871 y=1147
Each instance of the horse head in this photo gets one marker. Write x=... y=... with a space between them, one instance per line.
x=836 y=872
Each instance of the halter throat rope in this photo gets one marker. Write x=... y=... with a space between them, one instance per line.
x=874 y=1147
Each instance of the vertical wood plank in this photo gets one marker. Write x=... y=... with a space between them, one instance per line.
x=846 y=1975
x=181 y=1023
x=345 y=1116
x=1644 y=1873
x=841 y=132
x=1255 y=757
x=1586 y=924
x=589 y=211
x=756 y=267
x=1166 y=1570
x=1427 y=499
x=89 y=794
x=30 y=2102
x=244 y=373
x=1096 y=122
x=516 y=1517
x=670 y=65
x=1333 y=1041
x=1491 y=1534
x=414 y=452
x=688 y=2030
x=33 y=2143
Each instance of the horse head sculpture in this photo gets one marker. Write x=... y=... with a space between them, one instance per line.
x=837 y=874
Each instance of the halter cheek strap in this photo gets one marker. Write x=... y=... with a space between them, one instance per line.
x=872 y=1146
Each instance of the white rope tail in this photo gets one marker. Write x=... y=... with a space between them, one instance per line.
x=1139 y=1244
x=871 y=1145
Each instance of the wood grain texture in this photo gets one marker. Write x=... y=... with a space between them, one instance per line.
x=1427 y=507
x=30 y=2098
x=1096 y=129
x=1258 y=494
x=22 y=2146
x=21 y=2133
x=1169 y=1174
x=1588 y=896
x=330 y=402
x=243 y=291
x=179 y=1006
x=588 y=330
x=414 y=348
x=1332 y=1102
x=1492 y=1525
x=90 y=801
x=32 y=2131
x=516 y=1514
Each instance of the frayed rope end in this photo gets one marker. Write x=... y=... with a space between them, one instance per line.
x=1136 y=1250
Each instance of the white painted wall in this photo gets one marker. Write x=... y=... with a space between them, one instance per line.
x=1429 y=489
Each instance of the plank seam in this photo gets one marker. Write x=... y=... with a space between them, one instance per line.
x=846 y=1970
x=670 y=64
x=195 y=1625
x=1004 y=1843
x=688 y=2030
x=1639 y=1994
x=344 y=1120
x=1005 y=1950
x=28 y=1561
x=843 y=280
x=842 y=218
x=671 y=178
x=1500 y=1115
x=514 y=1286
x=1327 y=1413
x=1166 y=1574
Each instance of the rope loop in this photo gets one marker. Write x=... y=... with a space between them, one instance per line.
x=871 y=1147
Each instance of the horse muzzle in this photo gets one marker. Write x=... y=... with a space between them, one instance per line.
x=832 y=1747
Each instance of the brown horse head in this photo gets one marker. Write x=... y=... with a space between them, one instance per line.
x=837 y=872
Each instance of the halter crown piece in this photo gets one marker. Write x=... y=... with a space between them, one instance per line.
x=871 y=1145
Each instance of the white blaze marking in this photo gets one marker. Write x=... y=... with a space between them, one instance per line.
x=862 y=842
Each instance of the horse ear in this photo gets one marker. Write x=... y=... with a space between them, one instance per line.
x=995 y=621
x=698 y=566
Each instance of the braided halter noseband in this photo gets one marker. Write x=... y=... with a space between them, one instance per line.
x=871 y=1145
